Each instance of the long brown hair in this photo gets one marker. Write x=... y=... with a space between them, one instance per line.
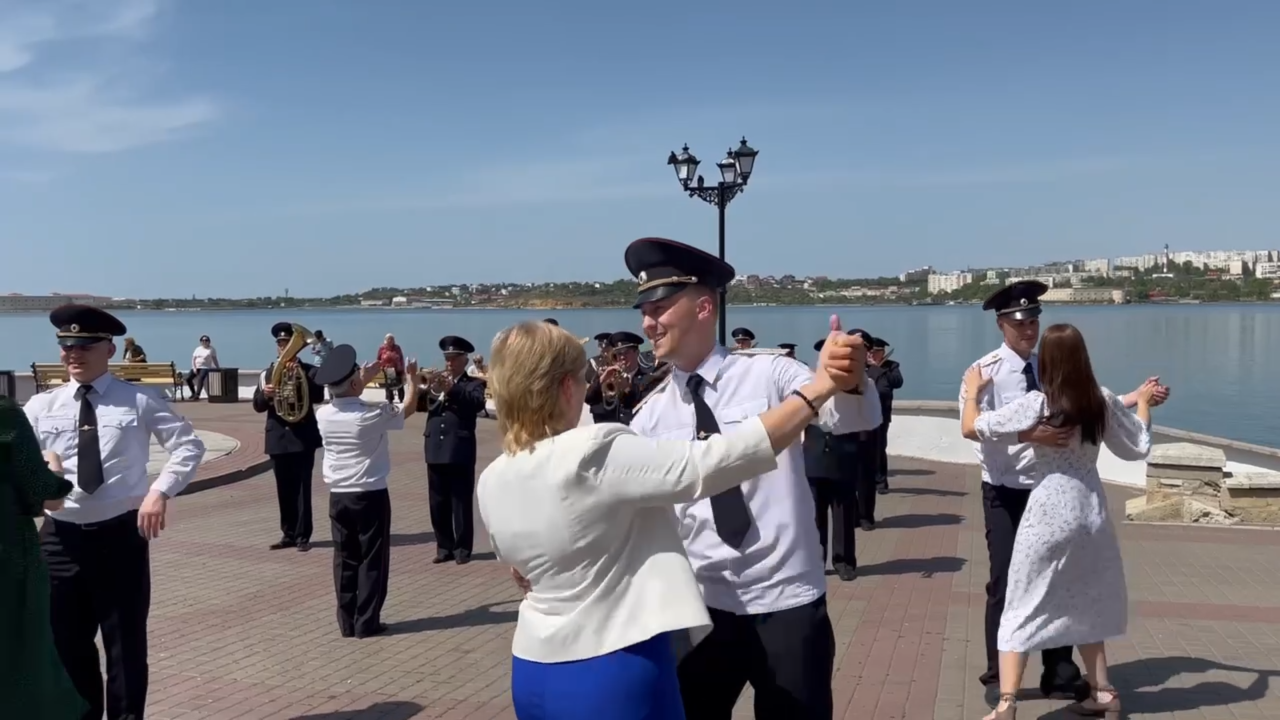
x=1071 y=390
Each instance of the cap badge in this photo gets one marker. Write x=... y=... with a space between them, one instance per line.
x=75 y=328
x=643 y=277
x=1023 y=302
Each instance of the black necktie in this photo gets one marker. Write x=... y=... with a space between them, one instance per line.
x=1030 y=374
x=729 y=508
x=89 y=475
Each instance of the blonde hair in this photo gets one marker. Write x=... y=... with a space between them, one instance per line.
x=527 y=367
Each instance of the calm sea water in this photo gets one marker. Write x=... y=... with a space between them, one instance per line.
x=1221 y=360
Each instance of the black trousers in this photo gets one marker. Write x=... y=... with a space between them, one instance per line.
x=293 y=493
x=392 y=392
x=882 y=455
x=838 y=500
x=100 y=579
x=1002 y=509
x=361 y=526
x=788 y=657
x=451 y=492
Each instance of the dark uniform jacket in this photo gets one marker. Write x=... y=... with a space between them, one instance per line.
x=887 y=377
x=624 y=408
x=450 y=437
x=283 y=437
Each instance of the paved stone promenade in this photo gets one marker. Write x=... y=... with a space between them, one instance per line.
x=240 y=633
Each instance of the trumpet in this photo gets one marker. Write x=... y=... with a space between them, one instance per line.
x=436 y=381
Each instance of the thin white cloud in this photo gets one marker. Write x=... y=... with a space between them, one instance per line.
x=98 y=107
x=26 y=177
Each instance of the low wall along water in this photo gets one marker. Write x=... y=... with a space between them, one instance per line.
x=930 y=430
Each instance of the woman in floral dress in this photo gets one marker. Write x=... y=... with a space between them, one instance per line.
x=1066 y=581
x=33 y=683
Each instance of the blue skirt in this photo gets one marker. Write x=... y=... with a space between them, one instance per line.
x=634 y=683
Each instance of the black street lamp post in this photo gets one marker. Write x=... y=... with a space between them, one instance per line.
x=735 y=171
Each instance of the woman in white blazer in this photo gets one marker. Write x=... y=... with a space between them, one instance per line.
x=585 y=515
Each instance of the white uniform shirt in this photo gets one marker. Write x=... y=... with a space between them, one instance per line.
x=1004 y=460
x=357 y=455
x=127 y=416
x=780 y=564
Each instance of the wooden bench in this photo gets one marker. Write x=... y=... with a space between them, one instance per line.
x=164 y=375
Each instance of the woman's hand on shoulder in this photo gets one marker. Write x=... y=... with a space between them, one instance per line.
x=975 y=381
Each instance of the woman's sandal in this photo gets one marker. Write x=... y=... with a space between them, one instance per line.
x=1093 y=707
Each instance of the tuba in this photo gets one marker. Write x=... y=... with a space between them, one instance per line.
x=292 y=398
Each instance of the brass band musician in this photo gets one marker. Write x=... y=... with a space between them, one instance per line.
x=291 y=442
x=622 y=382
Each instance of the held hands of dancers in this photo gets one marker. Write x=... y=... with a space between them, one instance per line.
x=841 y=363
x=55 y=465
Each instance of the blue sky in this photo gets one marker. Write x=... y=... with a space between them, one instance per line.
x=239 y=147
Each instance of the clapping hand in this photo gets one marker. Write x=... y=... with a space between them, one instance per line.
x=843 y=358
x=368 y=372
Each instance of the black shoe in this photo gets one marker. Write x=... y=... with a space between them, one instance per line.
x=283 y=544
x=867 y=524
x=464 y=557
x=346 y=632
x=442 y=558
x=378 y=629
x=1075 y=691
x=882 y=490
x=304 y=546
x=846 y=573
x=991 y=695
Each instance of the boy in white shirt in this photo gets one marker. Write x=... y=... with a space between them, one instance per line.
x=357 y=461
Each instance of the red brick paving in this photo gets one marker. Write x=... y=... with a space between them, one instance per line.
x=238 y=632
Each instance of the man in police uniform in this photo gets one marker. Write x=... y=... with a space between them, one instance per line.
x=450 y=449
x=97 y=545
x=357 y=462
x=743 y=338
x=790 y=349
x=292 y=449
x=1008 y=473
x=754 y=549
x=596 y=362
x=887 y=375
x=626 y=355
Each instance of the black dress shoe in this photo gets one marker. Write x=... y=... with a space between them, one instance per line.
x=464 y=557
x=867 y=525
x=346 y=632
x=991 y=695
x=1076 y=691
x=442 y=558
x=882 y=490
x=304 y=546
x=376 y=630
x=846 y=573
x=282 y=545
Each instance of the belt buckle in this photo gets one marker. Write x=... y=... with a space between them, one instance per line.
x=91 y=526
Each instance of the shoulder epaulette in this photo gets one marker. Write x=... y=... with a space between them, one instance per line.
x=989 y=359
x=758 y=351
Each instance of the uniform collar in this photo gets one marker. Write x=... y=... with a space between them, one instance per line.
x=347 y=400
x=1010 y=355
x=709 y=368
x=101 y=384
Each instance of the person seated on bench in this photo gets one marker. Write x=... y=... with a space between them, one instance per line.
x=203 y=359
x=133 y=352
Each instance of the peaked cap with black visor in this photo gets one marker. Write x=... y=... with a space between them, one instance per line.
x=338 y=367
x=80 y=325
x=665 y=267
x=1018 y=301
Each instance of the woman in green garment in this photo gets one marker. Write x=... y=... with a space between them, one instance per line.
x=33 y=683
